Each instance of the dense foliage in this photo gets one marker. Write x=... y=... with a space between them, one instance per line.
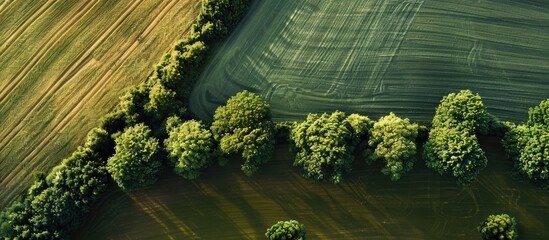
x=324 y=145
x=55 y=203
x=452 y=147
x=500 y=226
x=190 y=146
x=135 y=162
x=539 y=115
x=528 y=145
x=244 y=126
x=394 y=141
x=286 y=230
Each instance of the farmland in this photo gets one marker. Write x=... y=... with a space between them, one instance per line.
x=225 y=204
x=63 y=64
x=373 y=57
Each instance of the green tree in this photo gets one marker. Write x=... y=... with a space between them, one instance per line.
x=190 y=146
x=454 y=152
x=539 y=114
x=526 y=144
x=324 y=146
x=135 y=163
x=464 y=109
x=452 y=147
x=286 y=230
x=244 y=126
x=394 y=141
x=500 y=226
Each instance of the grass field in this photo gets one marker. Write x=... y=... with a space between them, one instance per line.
x=373 y=57
x=225 y=204
x=63 y=64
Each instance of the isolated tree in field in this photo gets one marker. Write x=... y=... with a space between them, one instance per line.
x=500 y=226
x=286 y=230
x=190 y=146
x=324 y=146
x=452 y=147
x=244 y=126
x=527 y=144
x=135 y=162
x=393 y=139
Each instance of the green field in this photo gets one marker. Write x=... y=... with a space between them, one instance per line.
x=225 y=204
x=373 y=57
x=63 y=65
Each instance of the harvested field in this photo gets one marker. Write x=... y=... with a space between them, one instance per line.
x=225 y=204
x=63 y=66
x=373 y=57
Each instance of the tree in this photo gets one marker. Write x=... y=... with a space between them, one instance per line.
x=452 y=147
x=135 y=162
x=463 y=109
x=190 y=146
x=526 y=144
x=244 y=126
x=394 y=141
x=539 y=114
x=100 y=142
x=324 y=146
x=455 y=152
x=286 y=230
x=500 y=226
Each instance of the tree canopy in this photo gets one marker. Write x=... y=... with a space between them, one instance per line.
x=452 y=147
x=190 y=147
x=244 y=126
x=393 y=139
x=286 y=230
x=527 y=144
x=500 y=226
x=324 y=145
x=135 y=162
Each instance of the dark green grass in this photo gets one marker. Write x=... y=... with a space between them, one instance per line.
x=373 y=57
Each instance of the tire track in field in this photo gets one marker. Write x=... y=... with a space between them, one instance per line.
x=45 y=48
x=90 y=94
x=7 y=44
x=4 y=6
x=71 y=70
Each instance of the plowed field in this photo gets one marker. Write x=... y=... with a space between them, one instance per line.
x=373 y=57
x=63 y=64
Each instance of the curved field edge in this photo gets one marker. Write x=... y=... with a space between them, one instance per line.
x=373 y=57
x=422 y=205
x=81 y=57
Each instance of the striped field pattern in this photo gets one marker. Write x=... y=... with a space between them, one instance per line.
x=373 y=57
x=63 y=64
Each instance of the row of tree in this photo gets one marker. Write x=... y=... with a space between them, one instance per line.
x=128 y=145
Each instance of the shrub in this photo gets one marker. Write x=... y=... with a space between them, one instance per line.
x=500 y=226
x=286 y=230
